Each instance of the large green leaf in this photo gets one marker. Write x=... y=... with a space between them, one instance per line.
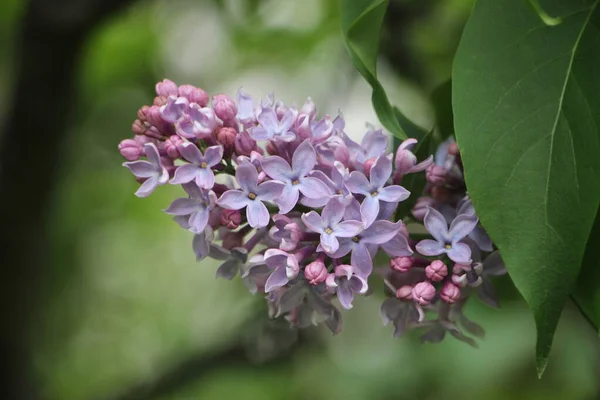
x=361 y=24
x=526 y=99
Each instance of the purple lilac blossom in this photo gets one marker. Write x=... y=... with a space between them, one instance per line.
x=152 y=171
x=197 y=206
x=346 y=283
x=200 y=167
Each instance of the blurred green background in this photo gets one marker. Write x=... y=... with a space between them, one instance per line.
x=125 y=301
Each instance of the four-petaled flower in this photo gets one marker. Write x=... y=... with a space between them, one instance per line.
x=152 y=170
x=447 y=240
x=294 y=177
x=197 y=207
x=251 y=195
x=200 y=167
x=347 y=283
x=374 y=189
x=271 y=127
x=198 y=122
x=330 y=225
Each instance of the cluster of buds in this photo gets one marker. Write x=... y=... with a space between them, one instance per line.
x=299 y=210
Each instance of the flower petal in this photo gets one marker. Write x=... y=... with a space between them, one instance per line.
x=213 y=155
x=233 y=200
x=205 y=178
x=245 y=112
x=358 y=183
x=191 y=153
x=304 y=159
x=436 y=224
x=277 y=279
x=380 y=172
x=397 y=247
x=461 y=226
x=183 y=207
x=141 y=169
x=288 y=199
x=313 y=188
x=348 y=228
x=147 y=187
x=151 y=152
x=270 y=190
x=313 y=221
x=247 y=177
x=277 y=168
x=228 y=269
x=459 y=253
x=200 y=246
x=369 y=210
x=380 y=232
x=345 y=246
x=430 y=247
x=333 y=212
x=193 y=190
x=268 y=119
x=345 y=294
x=198 y=221
x=185 y=173
x=393 y=194
x=257 y=214
x=329 y=242
x=352 y=211
x=361 y=260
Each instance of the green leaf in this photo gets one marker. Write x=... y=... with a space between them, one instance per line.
x=361 y=25
x=526 y=99
x=587 y=290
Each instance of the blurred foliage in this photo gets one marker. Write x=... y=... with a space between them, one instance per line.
x=125 y=300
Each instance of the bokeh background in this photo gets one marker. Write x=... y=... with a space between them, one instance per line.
x=121 y=308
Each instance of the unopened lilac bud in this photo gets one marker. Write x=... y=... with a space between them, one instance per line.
x=138 y=127
x=226 y=137
x=166 y=88
x=440 y=194
x=225 y=108
x=130 y=149
x=435 y=174
x=459 y=280
x=420 y=208
x=160 y=101
x=194 y=94
x=315 y=272
x=436 y=271
x=460 y=268
x=142 y=113
x=231 y=219
x=244 y=144
x=368 y=165
x=272 y=149
x=450 y=293
x=172 y=146
x=232 y=239
x=401 y=264
x=423 y=293
x=404 y=292
x=453 y=149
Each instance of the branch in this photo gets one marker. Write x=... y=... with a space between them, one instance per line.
x=51 y=37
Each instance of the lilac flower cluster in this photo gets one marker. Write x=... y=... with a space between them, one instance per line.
x=289 y=202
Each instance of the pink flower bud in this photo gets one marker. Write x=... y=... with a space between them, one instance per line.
x=420 y=208
x=423 y=293
x=138 y=127
x=194 y=94
x=225 y=108
x=244 y=144
x=232 y=239
x=272 y=149
x=226 y=137
x=436 y=271
x=166 y=88
x=435 y=174
x=453 y=149
x=142 y=113
x=368 y=165
x=160 y=101
x=459 y=280
x=309 y=109
x=440 y=194
x=130 y=149
x=404 y=293
x=231 y=219
x=401 y=264
x=450 y=293
x=315 y=272
x=171 y=146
